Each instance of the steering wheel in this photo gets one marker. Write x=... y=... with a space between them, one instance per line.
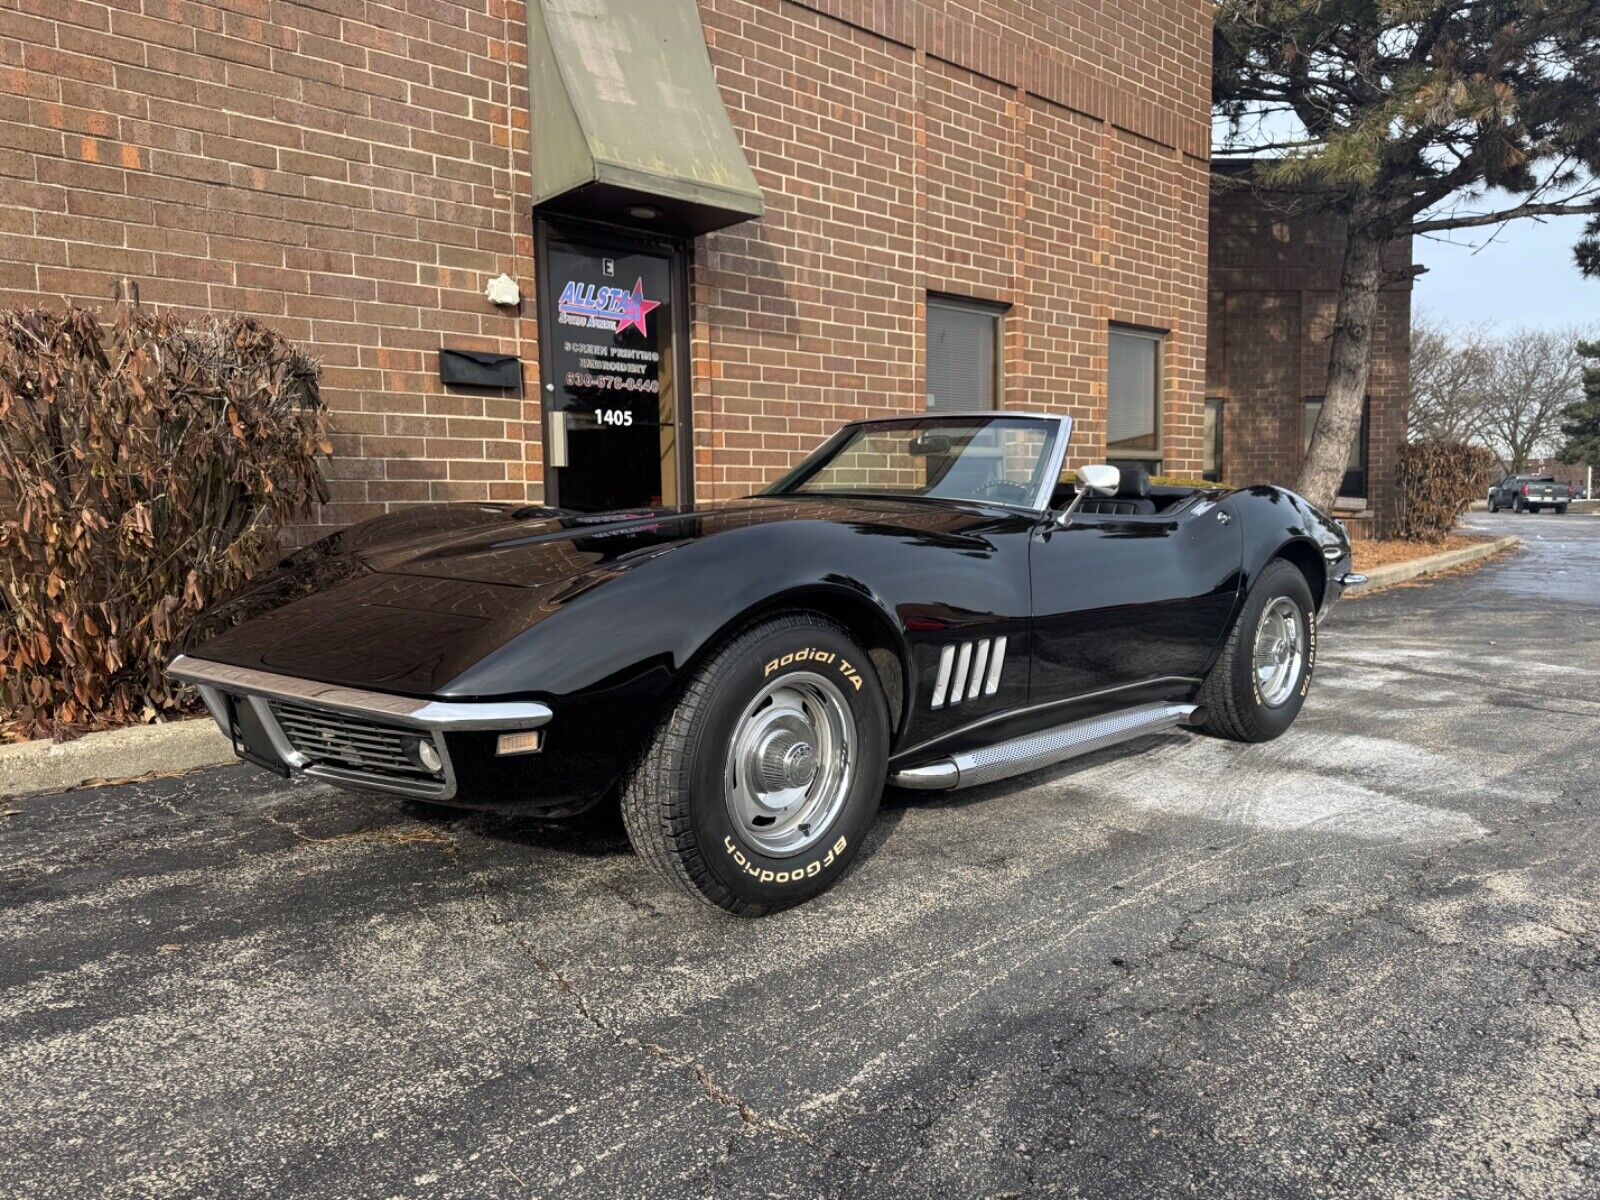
x=1006 y=491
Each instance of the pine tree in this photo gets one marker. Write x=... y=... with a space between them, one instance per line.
x=1407 y=117
x=1580 y=424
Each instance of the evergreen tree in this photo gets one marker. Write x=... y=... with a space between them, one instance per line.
x=1580 y=423
x=1407 y=117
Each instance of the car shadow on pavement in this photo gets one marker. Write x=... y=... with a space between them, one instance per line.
x=597 y=833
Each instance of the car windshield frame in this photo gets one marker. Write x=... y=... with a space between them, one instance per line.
x=1056 y=427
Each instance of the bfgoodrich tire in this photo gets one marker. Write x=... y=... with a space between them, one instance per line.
x=1259 y=683
x=758 y=788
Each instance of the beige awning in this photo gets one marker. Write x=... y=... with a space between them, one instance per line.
x=627 y=116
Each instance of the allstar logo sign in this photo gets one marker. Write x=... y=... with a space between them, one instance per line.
x=610 y=308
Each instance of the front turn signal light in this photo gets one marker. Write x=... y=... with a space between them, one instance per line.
x=519 y=743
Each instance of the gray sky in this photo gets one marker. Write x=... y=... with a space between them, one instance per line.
x=1524 y=276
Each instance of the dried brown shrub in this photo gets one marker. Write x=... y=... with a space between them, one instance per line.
x=146 y=468
x=1438 y=480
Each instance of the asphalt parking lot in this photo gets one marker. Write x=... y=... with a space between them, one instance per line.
x=1363 y=960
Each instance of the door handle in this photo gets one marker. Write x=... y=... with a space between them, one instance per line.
x=555 y=454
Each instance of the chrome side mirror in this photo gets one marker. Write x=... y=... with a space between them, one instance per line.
x=1096 y=479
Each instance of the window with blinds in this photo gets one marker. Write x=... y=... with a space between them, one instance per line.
x=963 y=355
x=1133 y=395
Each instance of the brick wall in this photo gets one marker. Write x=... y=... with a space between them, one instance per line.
x=1010 y=152
x=1274 y=274
x=355 y=176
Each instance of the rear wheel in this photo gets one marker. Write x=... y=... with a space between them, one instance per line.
x=1561 y=510
x=1256 y=689
x=758 y=788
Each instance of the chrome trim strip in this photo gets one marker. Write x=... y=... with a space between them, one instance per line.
x=996 y=660
x=1030 y=752
x=1058 y=455
x=1011 y=713
x=963 y=661
x=980 y=668
x=1352 y=579
x=281 y=746
x=399 y=710
x=217 y=707
x=947 y=658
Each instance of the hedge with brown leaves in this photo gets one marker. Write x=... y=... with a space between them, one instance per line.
x=1438 y=480
x=147 y=467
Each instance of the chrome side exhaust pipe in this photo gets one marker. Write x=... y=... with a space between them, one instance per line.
x=1032 y=751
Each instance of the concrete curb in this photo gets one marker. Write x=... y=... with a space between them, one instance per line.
x=116 y=754
x=1382 y=577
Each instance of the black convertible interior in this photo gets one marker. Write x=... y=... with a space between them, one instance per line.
x=1135 y=496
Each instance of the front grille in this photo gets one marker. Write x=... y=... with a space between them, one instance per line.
x=351 y=744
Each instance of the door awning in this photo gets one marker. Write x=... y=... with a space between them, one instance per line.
x=627 y=121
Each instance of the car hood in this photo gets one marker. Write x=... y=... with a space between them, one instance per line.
x=410 y=602
x=559 y=548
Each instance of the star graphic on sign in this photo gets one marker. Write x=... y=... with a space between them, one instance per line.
x=636 y=308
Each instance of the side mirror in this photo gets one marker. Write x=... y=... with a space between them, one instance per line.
x=1098 y=479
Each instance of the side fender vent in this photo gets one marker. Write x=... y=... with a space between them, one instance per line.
x=968 y=670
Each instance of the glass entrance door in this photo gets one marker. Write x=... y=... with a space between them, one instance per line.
x=612 y=330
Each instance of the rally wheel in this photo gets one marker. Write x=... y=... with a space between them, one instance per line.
x=1256 y=688
x=757 y=789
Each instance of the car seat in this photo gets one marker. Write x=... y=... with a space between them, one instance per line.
x=1132 y=497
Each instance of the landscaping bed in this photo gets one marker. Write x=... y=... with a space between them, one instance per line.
x=1388 y=551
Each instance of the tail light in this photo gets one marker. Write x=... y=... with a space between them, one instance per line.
x=1524 y=489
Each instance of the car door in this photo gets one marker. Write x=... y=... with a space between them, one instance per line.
x=1120 y=601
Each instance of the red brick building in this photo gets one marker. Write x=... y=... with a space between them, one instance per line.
x=1274 y=273
x=962 y=203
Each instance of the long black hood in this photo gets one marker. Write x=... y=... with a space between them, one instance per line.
x=411 y=602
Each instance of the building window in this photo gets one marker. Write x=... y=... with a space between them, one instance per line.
x=963 y=354
x=1211 y=450
x=1133 y=399
x=1354 y=484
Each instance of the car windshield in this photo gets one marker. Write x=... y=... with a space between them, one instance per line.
x=990 y=460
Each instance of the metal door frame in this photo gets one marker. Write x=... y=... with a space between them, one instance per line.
x=677 y=252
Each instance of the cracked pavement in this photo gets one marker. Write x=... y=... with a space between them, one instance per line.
x=1363 y=960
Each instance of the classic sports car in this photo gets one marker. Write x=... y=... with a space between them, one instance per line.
x=923 y=601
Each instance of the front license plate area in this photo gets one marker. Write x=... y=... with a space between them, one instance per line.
x=250 y=740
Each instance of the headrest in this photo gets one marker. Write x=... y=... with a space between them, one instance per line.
x=1134 y=484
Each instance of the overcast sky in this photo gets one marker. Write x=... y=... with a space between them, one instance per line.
x=1524 y=276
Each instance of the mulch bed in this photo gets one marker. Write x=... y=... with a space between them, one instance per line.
x=1388 y=552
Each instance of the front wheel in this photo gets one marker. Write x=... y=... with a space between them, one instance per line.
x=1259 y=682
x=1561 y=510
x=758 y=788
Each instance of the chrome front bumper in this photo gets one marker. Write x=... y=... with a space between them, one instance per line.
x=346 y=735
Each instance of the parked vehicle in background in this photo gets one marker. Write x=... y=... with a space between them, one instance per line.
x=1529 y=493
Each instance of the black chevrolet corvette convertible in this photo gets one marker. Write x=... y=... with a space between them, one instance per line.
x=924 y=601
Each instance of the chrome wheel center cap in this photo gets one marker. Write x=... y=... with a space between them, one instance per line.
x=799 y=765
x=787 y=763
